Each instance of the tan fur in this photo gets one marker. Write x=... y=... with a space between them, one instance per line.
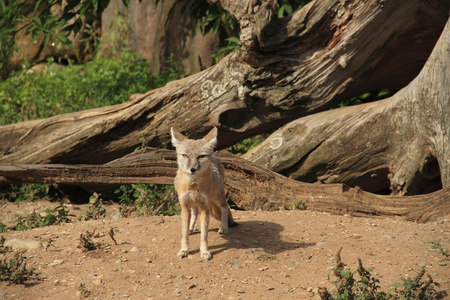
x=199 y=184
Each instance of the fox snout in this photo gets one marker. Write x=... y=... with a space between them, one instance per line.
x=193 y=170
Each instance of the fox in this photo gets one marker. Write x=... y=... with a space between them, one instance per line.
x=199 y=183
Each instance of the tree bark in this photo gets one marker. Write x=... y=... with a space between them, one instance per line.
x=401 y=143
x=285 y=69
x=249 y=186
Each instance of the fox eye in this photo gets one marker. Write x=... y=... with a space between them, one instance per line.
x=201 y=156
x=184 y=155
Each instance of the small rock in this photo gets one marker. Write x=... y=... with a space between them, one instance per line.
x=270 y=288
x=56 y=262
x=389 y=236
x=241 y=291
x=323 y=244
x=422 y=264
x=23 y=244
x=117 y=216
x=134 y=249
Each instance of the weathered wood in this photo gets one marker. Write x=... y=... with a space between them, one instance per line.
x=285 y=69
x=249 y=186
x=401 y=143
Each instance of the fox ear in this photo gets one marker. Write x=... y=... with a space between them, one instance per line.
x=211 y=137
x=177 y=137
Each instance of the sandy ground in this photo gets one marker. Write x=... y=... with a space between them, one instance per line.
x=270 y=255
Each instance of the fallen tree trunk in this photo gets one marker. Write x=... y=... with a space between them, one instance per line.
x=401 y=143
x=249 y=186
x=285 y=69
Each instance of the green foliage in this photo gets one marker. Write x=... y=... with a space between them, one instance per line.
x=29 y=192
x=102 y=82
x=58 y=90
x=96 y=209
x=36 y=18
x=367 y=97
x=3 y=228
x=415 y=288
x=54 y=216
x=438 y=246
x=366 y=288
x=149 y=199
x=15 y=270
x=288 y=7
x=246 y=145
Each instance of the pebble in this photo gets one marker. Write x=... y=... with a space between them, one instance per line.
x=56 y=262
x=389 y=236
x=323 y=244
x=257 y=249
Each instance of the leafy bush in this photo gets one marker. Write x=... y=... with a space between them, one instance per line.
x=54 y=216
x=15 y=270
x=366 y=288
x=29 y=192
x=246 y=145
x=149 y=199
x=102 y=82
x=438 y=246
x=96 y=209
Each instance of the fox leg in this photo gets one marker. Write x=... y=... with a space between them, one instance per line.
x=204 y=223
x=185 y=217
x=224 y=220
x=194 y=214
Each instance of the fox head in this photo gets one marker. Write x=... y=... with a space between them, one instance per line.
x=194 y=156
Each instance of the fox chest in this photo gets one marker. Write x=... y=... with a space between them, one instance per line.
x=192 y=193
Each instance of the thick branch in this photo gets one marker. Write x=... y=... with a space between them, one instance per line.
x=401 y=142
x=286 y=69
x=250 y=186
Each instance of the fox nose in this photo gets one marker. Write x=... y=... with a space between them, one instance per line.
x=193 y=170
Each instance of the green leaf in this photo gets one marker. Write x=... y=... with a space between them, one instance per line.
x=63 y=39
x=233 y=40
x=46 y=39
x=95 y=3
x=2 y=7
x=84 y=8
x=216 y=26
x=281 y=12
x=37 y=21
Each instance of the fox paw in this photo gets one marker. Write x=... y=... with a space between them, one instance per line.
x=223 y=230
x=206 y=255
x=183 y=253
